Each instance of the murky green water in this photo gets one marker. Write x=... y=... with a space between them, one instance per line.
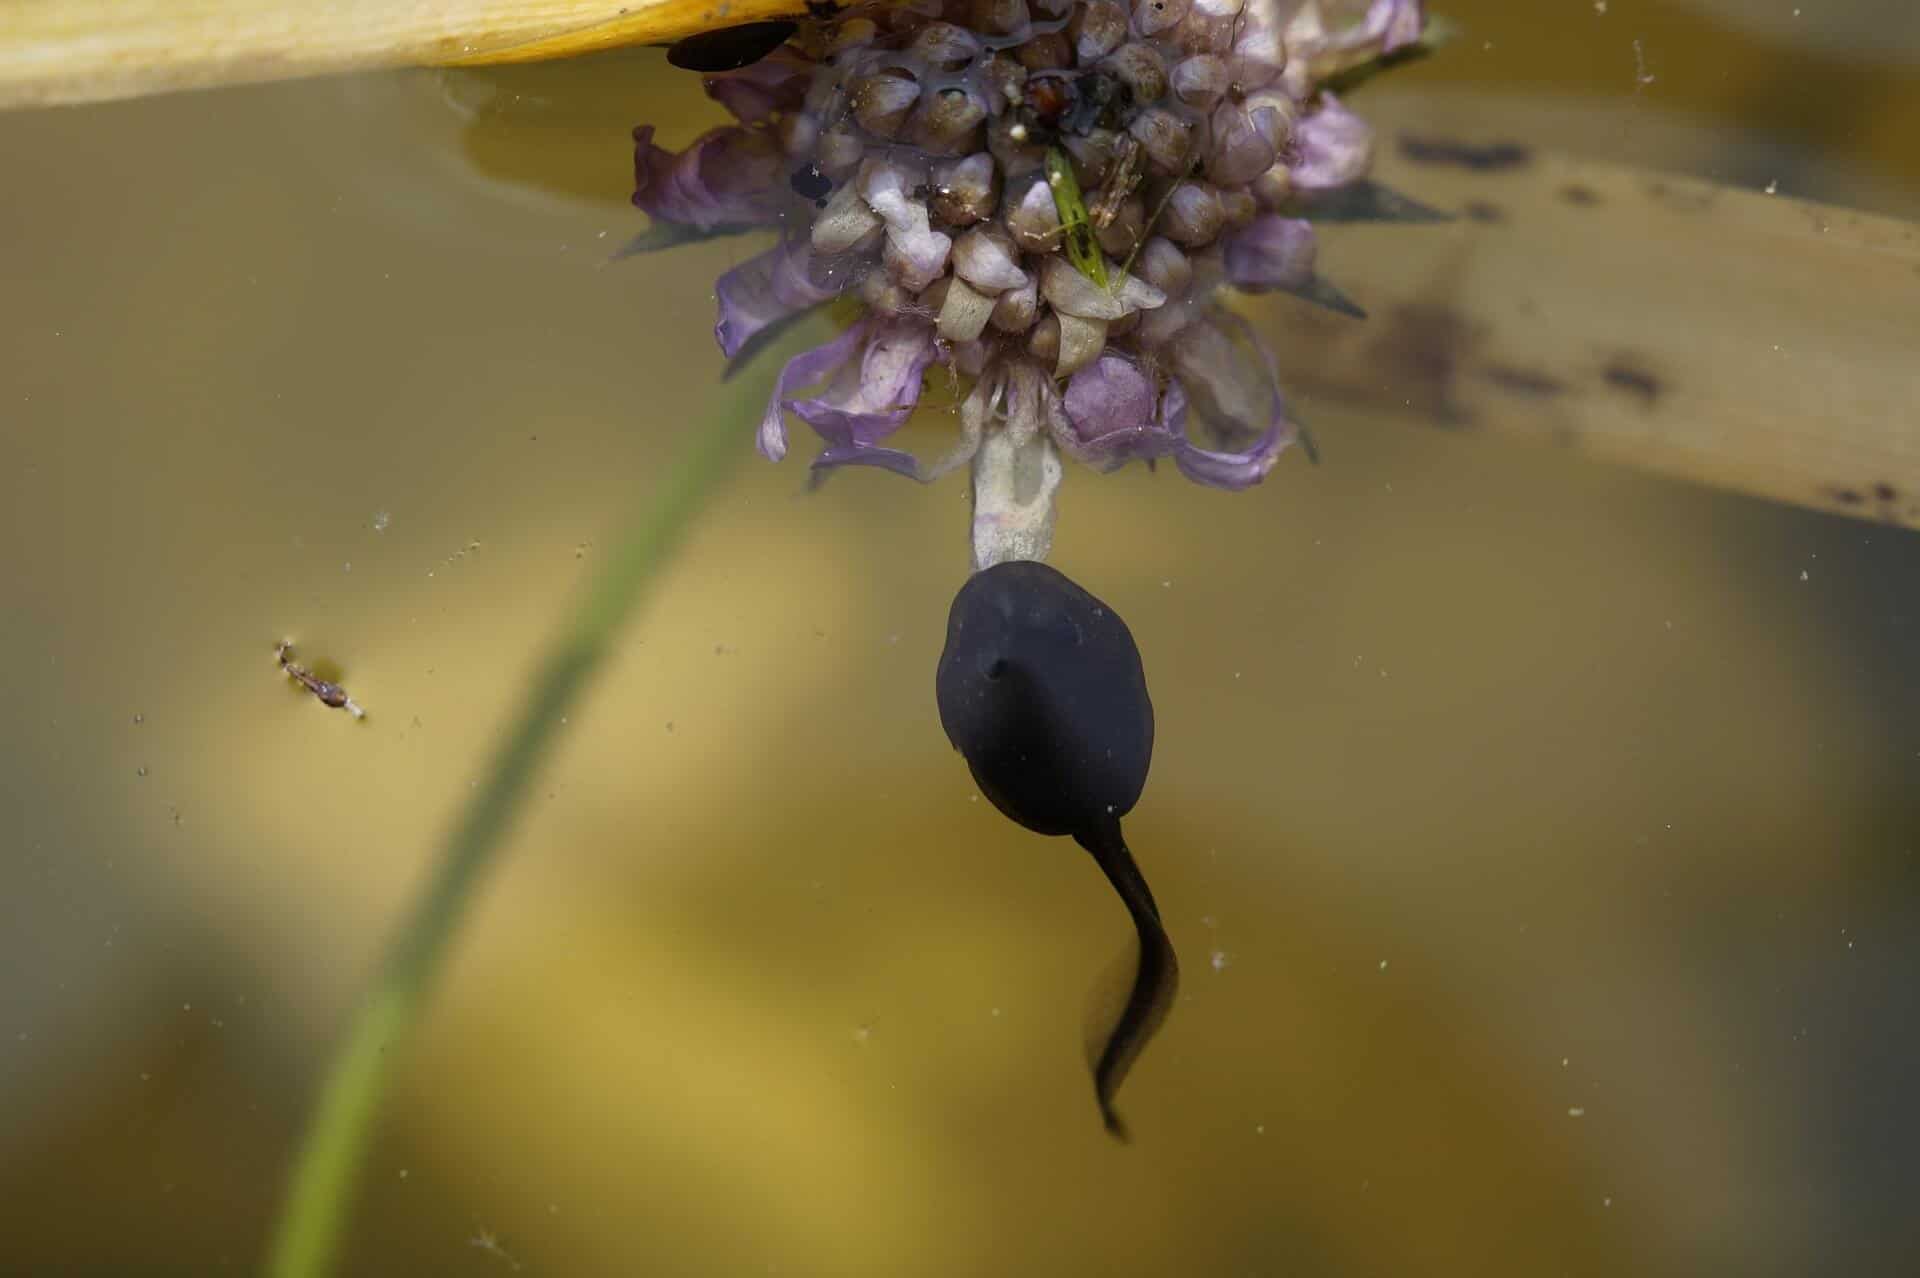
x=1540 y=838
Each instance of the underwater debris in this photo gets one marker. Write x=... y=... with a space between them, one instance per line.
x=329 y=693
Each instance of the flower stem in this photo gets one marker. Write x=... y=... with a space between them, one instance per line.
x=308 y=1233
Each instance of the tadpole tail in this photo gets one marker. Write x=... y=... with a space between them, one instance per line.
x=1154 y=981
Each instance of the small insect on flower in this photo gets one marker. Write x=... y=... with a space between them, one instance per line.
x=329 y=693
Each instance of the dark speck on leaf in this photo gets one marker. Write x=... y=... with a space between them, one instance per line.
x=1491 y=157
x=1847 y=497
x=1885 y=492
x=1635 y=381
x=1481 y=211
x=1524 y=381
x=1580 y=196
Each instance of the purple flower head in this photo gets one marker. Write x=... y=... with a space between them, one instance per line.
x=922 y=161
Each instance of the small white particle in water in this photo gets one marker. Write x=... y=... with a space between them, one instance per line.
x=347 y=566
x=1600 y=7
x=381 y=521
x=1803 y=574
x=139 y=718
x=186 y=1007
x=403 y=1173
x=1167 y=585
x=1259 y=1129
x=140 y=771
x=1641 y=76
x=1383 y=965
x=1563 y=1062
x=1208 y=921
x=488 y=1241
x=1606 y=1202
x=1219 y=960
x=862 y=1033
x=996 y=1011
x=1576 y=1111
x=1773 y=187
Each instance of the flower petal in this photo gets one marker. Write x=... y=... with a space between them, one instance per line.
x=1271 y=252
x=1110 y=407
x=767 y=288
x=867 y=403
x=834 y=456
x=805 y=369
x=755 y=93
x=917 y=252
x=1071 y=293
x=728 y=177
x=1236 y=391
x=1333 y=147
x=984 y=262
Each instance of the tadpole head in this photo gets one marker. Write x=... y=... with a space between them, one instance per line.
x=1040 y=687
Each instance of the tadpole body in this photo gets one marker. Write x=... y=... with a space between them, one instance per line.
x=1041 y=688
x=730 y=48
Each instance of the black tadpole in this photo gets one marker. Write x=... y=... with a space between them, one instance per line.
x=730 y=48
x=1041 y=688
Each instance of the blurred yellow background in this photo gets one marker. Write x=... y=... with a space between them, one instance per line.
x=1538 y=838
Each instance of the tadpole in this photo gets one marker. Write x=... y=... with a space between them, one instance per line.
x=1041 y=688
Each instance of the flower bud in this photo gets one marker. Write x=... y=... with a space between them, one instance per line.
x=965 y=191
x=1241 y=149
x=1045 y=52
x=943 y=46
x=1000 y=17
x=1200 y=81
x=1043 y=343
x=882 y=100
x=1165 y=139
x=948 y=120
x=1138 y=67
x=1017 y=308
x=1097 y=30
x=1165 y=267
x=1033 y=219
x=964 y=311
x=987 y=262
x=1151 y=17
x=1193 y=216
